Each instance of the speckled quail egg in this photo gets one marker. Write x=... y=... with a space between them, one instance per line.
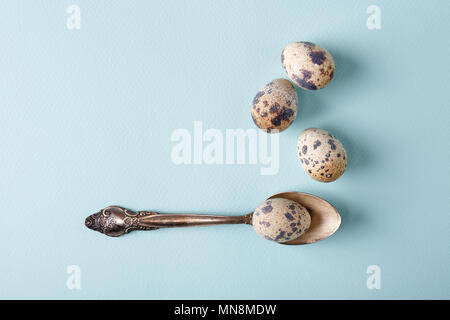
x=275 y=106
x=322 y=156
x=280 y=220
x=308 y=65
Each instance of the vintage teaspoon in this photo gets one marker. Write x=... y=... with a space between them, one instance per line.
x=288 y=218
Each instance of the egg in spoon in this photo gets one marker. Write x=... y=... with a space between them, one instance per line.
x=289 y=218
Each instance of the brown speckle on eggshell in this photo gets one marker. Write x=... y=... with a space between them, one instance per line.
x=275 y=106
x=321 y=155
x=308 y=65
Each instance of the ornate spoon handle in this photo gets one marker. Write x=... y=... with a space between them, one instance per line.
x=116 y=221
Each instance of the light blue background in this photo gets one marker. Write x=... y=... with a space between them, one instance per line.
x=85 y=122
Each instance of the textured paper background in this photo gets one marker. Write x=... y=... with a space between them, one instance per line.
x=86 y=117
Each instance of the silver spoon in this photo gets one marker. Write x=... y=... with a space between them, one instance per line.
x=115 y=221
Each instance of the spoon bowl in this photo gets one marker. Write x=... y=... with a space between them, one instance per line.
x=325 y=219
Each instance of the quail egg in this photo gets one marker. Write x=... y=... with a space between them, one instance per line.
x=275 y=106
x=280 y=220
x=321 y=155
x=308 y=65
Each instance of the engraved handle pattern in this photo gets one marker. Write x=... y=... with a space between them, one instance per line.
x=115 y=221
